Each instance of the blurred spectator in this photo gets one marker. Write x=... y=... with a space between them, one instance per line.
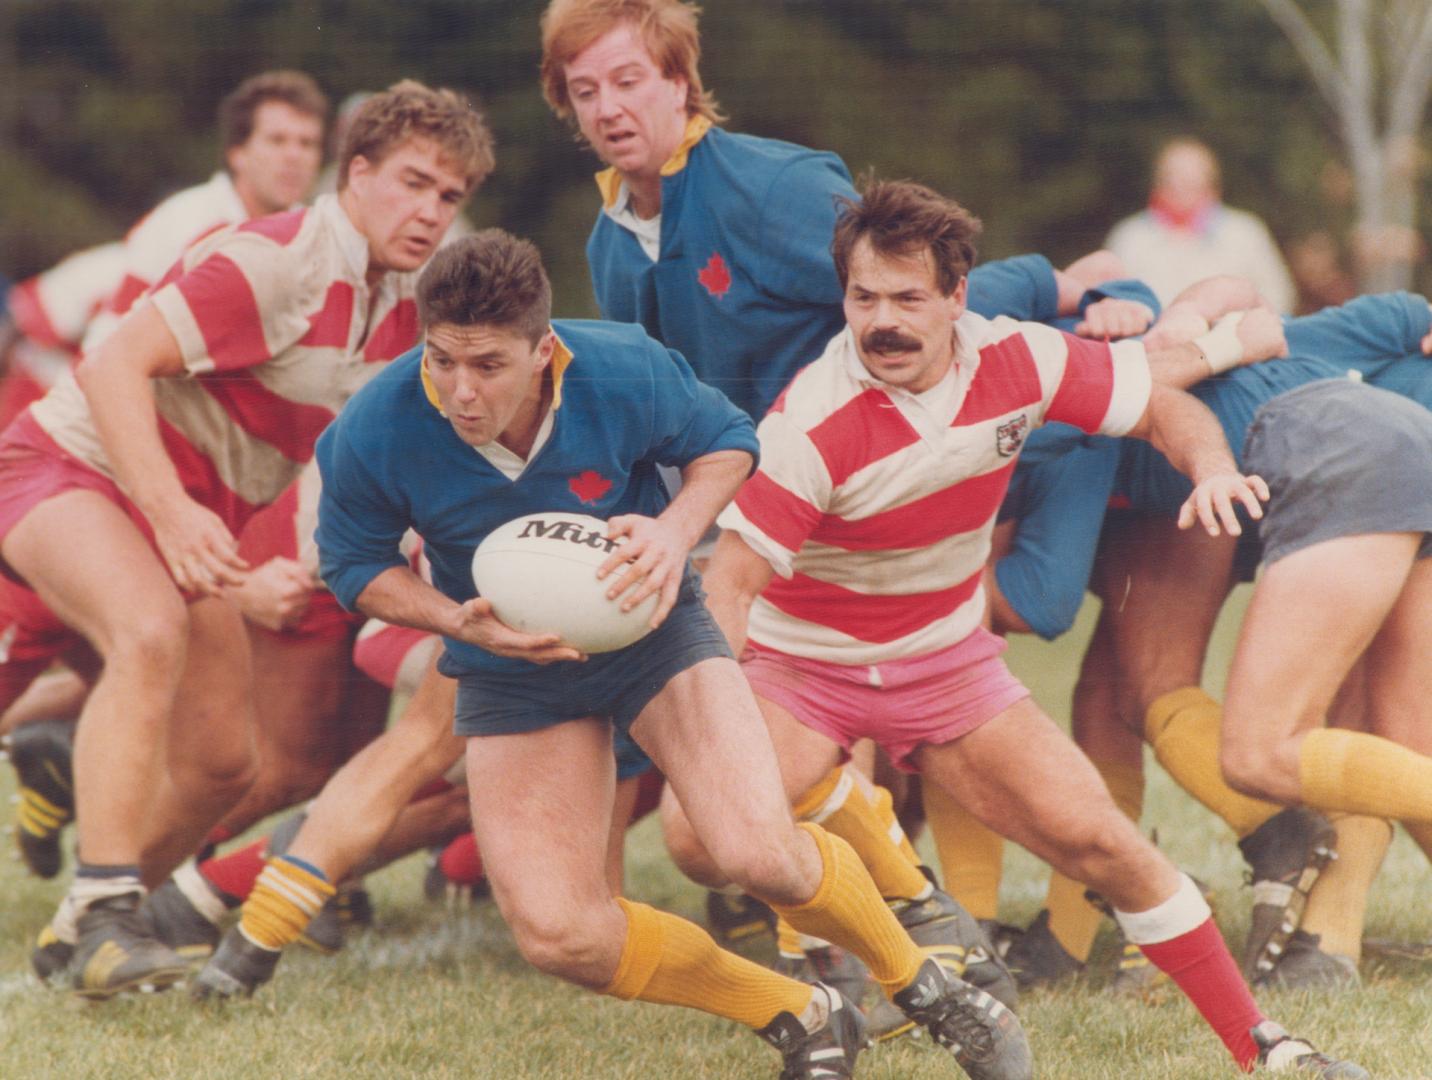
x=1187 y=234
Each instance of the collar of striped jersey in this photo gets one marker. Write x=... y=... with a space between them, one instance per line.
x=609 y=181
x=561 y=360
x=353 y=243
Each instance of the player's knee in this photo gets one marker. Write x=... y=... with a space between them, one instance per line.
x=1104 y=845
x=687 y=851
x=768 y=869
x=568 y=944
x=1245 y=769
x=152 y=642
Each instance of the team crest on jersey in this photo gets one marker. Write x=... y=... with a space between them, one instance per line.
x=715 y=276
x=1010 y=436
x=589 y=486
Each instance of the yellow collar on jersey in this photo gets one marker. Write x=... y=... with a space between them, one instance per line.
x=609 y=181
x=561 y=359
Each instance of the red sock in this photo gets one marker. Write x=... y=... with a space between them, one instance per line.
x=648 y=795
x=461 y=862
x=234 y=874
x=1199 y=962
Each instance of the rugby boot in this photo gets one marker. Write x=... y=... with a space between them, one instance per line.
x=1280 y=1052
x=51 y=957
x=118 y=952
x=829 y=965
x=1135 y=975
x=350 y=906
x=41 y=754
x=984 y=1036
x=829 y=1052
x=1035 y=957
x=737 y=918
x=237 y=968
x=945 y=930
x=1304 y=966
x=174 y=920
x=1285 y=855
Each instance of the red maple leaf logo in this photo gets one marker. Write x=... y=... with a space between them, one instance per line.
x=715 y=276
x=589 y=486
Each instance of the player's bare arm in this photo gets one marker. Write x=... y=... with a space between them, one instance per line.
x=734 y=578
x=116 y=379
x=400 y=597
x=656 y=548
x=1186 y=433
x=1245 y=337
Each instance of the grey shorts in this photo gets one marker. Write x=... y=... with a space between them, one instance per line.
x=1341 y=459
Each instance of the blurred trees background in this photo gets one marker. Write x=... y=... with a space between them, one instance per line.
x=1042 y=116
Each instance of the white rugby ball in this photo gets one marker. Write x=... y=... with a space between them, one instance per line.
x=539 y=572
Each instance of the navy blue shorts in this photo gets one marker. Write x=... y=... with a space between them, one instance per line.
x=617 y=685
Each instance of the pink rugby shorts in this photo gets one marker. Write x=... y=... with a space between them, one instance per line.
x=902 y=705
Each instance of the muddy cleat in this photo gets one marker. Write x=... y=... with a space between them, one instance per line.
x=1036 y=958
x=1135 y=975
x=174 y=920
x=41 y=754
x=1280 y=1052
x=350 y=906
x=1285 y=855
x=827 y=1053
x=51 y=957
x=118 y=952
x=737 y=918
x=1304 y=966
x=983 y=1035
x=883 y=1021
x=946 y=931
x=828 y=964
x=237 y=968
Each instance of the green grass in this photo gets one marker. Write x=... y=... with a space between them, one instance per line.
x=433 y=994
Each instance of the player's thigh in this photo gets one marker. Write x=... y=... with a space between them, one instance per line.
x=1165 y=605
x=1024 y=778
x=705 y=732
x=1398 y=666
x=1097 y=721
x=542 y=810
x=803 y=754
x=102 y=578
x=1313 y=613
x=299 y=684
x=212 y=720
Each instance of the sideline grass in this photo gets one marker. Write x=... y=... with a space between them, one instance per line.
x=433 y=994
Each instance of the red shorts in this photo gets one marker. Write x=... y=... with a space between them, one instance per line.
x=902 y=705
x=31 y=639
x=33 y=468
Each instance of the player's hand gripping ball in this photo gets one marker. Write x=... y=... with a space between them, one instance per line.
x=539 y=572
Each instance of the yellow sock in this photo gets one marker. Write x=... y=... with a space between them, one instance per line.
x=971 y=856
x=668 y=960
x=285 y=897
x=838 y=804
x=1074 y=921
x=1338 y=902
x=1364 y=774
x=1183 y=728
x=848 y=910
x=788 y=938
x=885 y=808
x=1421 y=836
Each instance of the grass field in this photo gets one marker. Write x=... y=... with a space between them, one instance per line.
x=434 y=994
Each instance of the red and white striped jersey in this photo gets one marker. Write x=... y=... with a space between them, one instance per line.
x=278 y=328
x=160 y=237
x=876 y=511
x=53 y=308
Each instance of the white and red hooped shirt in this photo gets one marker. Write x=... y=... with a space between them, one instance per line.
x=278 y=328
x=875 y=506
